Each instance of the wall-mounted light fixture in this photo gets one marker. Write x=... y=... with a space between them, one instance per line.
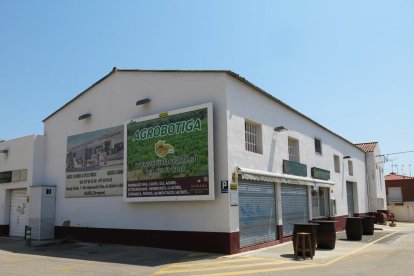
x=84 y=116
x=143 y=101
x=280 y=129
x=347 y=157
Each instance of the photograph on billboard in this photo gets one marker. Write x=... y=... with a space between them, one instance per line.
x=95 y=163
x=170 y=156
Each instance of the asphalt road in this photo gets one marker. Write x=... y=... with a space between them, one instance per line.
x=389 y=252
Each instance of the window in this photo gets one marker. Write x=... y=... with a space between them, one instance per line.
x=19 y=175
x=318 y=146
x=336 y=164
x=253 y=137
x=394 y=194
x=350 y=168
x=293 y=148
x=320 y=197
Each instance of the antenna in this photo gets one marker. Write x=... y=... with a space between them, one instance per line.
x=392 y=165
x=386 y=155
x=402 y=169
x=409 y=167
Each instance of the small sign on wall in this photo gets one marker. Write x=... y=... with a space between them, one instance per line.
x=224 y=187
x=234 y=195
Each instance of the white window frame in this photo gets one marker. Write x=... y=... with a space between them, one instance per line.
x=293 y=149
x=253 y=137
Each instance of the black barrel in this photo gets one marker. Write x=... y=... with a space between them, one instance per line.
x=306 y=228
x=354 y=229
x=368 y=225
x=326 y=234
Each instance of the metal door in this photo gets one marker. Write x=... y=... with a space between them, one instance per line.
x=18 y=212
x=350 y=198
x=257 y=213
x=295 y=208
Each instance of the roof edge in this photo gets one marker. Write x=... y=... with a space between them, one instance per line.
x=289 y=107
x=229 y=72
x=83 y=92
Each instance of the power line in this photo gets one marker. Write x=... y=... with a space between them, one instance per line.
x=386 y=155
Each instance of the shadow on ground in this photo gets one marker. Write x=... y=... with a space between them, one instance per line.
x=113 y=253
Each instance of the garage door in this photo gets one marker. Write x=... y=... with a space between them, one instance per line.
x=18 y=212
x=257 y=212
x=294 y=206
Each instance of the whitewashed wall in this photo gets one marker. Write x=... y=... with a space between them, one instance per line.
x=403 y=212
x=22 y=153
x=245 y=103
x=111 y=103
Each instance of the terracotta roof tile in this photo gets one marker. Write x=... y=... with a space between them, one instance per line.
x=367 y=147
x=394 y=176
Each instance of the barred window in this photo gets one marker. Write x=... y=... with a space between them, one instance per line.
x=252 y=137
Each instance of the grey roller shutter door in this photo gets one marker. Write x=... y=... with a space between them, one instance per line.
x=257 y=213
x=294 y=206
x=350 y=198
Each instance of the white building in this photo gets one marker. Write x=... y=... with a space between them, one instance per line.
x=234 y=176
x=377 y=199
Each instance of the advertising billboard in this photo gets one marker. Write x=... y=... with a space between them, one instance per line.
x=94 y=163
x=170 y=156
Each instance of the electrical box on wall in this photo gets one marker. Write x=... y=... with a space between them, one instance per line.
x=42 y=212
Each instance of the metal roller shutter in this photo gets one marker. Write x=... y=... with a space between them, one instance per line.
x=18 y=212
x=350 y=198
x=257 y=212
x=294 y=206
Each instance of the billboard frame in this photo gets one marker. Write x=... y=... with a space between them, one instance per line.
x=211 y=195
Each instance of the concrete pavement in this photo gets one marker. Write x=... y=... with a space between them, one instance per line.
x=74 y=258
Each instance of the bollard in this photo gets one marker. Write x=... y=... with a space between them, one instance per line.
x=28 y=235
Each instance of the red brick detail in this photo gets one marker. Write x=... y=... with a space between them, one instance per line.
x=216 y=242
x=341 y=222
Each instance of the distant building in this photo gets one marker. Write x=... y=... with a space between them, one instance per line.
x=400 y=194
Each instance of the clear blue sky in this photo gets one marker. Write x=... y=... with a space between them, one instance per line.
x=346 y=64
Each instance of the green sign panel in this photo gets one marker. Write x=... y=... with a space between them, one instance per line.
x=294 y=168
x=168 y=156
x=5 y=177
x=320 y=174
